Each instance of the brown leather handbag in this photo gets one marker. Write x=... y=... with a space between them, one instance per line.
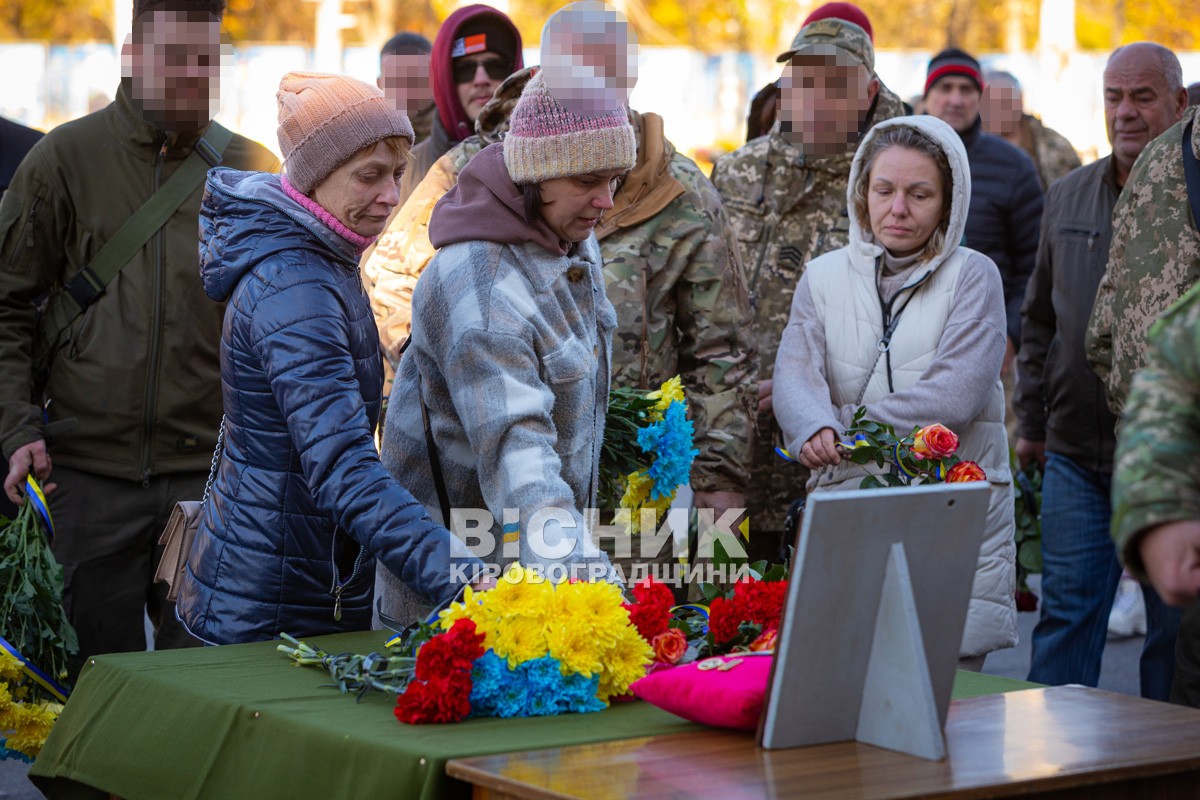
x=182 y=525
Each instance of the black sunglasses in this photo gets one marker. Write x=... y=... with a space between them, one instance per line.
x=464 y=69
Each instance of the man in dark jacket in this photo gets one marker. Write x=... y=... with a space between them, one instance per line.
x=137 y=374
x=1065 y=422
x=476 y=48
x=1006 y=195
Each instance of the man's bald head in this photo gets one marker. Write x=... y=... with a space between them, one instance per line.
x=1143 y=96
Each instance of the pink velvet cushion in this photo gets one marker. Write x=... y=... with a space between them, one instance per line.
x=731 y=698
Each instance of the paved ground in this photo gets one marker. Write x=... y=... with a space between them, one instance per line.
x=1119 y=673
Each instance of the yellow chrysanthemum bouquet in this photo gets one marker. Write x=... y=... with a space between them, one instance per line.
x=25 y=721
x=528 y=647
x=580 y=631
x=647 y=452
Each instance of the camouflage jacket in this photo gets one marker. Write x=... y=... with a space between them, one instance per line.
x=1154 y=259
x=672 y=274
x=1052 y=154
x=786 y=210
x=1156 y=481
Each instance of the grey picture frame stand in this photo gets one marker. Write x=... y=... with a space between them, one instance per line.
x=877 y=602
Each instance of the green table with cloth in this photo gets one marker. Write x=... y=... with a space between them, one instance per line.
x=242 y=721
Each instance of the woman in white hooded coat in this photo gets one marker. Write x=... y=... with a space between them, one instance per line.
x=911 y=325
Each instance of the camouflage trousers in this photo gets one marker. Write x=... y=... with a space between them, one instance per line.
x=774 y=484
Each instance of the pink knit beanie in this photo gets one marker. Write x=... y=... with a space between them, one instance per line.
x=572 y=117
x=546 y=140
x=326 y=119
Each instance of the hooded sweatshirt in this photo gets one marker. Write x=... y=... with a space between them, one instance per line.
x=485 y=204
x=510 y=345
x=452 y=124
x=942 y=364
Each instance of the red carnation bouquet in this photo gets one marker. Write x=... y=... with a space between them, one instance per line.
x=738 y=619
x=441 y=689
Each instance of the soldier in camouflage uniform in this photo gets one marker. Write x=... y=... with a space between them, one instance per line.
x=1004 y=115
x=670 y=269
x=786 y=196
x=1156 y=480
x=1154 y=259
x=1156 y=488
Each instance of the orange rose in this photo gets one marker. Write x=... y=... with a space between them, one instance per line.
x=765 y=641
x=935 y=442
x=965 y=472
x=669 y=647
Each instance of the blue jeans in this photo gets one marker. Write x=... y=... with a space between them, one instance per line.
x=1080 y=572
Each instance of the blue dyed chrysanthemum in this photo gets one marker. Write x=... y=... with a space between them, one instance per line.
x=670 y=440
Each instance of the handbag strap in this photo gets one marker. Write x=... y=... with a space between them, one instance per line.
x=435 y=463
x=1191 y=174
x=89 y=283
x=216 y=459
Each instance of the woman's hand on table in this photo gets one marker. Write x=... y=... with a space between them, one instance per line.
x=821 y=450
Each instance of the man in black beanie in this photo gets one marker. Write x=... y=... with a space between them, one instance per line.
x=1006 y=197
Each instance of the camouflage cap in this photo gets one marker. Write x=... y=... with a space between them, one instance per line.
x=827 y=36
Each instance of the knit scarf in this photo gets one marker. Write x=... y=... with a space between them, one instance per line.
x=358 y=241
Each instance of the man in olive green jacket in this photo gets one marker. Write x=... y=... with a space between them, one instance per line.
x=133 y=394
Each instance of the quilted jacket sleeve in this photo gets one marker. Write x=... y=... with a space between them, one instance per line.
x=302 y=334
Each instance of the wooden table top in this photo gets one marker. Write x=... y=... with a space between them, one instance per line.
x=1038 y=740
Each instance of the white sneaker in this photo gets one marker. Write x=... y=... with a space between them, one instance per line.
x=1128 y=616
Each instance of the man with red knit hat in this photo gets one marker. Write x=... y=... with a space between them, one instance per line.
x=476 y=48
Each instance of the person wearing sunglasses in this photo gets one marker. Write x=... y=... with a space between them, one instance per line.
x=476 y=48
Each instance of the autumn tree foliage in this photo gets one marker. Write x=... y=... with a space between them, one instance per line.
x=707 y=25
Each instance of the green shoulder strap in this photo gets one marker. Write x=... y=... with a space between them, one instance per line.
x=63 y=307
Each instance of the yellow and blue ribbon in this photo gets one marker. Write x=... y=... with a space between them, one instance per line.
x=858 y=441
x=900 y=465
x=35 y=496
x=38 y=676
x=697 y=607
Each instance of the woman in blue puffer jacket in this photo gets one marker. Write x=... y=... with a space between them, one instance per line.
x=301 y=506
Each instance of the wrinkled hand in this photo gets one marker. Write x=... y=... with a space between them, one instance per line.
x=1171 y=555
x=31 y=457
x=765 y=406
x=821 y=450
x=1030 y=451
